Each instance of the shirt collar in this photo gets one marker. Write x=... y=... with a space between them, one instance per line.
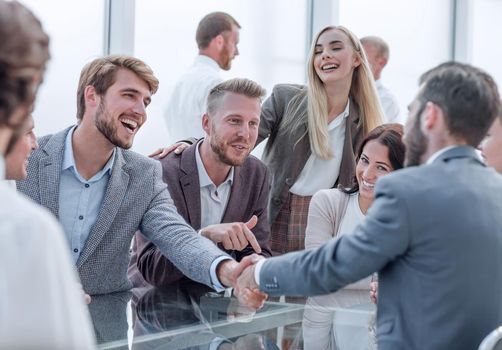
x=341 y=117
x=204 y=179
x=69 y=160
x=439 y=153
x=203 y=59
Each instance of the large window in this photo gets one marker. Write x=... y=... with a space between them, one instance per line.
x=272 y=47
x=76 y=33
x=417 y=31
x=486 y=50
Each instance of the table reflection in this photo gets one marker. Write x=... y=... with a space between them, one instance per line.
x=192 y=316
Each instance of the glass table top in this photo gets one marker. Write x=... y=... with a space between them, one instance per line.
x=192 y=316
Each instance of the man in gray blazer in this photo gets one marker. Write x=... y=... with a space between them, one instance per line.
x=215 y=181
x=433 y=232
x=102 y=192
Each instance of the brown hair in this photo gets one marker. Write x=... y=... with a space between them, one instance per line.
x=211 y=26
x=239 y=86
x=467 y=95
x=101 y=74
x=24 y=52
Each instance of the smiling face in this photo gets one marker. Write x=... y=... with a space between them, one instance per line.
x=122 y=109
x=491 y=147
x=232 y=129
x=373 y=163
x=16 y=161
x=334 y=57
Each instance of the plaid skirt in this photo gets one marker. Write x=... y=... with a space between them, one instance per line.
x=288 y=229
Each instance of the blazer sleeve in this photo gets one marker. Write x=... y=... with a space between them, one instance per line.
x=155 y=268
x=164 y=227
x=383 y=236
x=262 y=228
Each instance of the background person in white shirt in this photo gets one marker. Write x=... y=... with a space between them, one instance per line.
x=377 y=53
x=217 y=38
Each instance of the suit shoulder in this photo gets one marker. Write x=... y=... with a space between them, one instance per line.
x=408 y=180
x=138 y=161
x=42 y=141
x=254 y=165
x=288 y=89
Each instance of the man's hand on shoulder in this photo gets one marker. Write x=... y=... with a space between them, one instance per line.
x=177 y=147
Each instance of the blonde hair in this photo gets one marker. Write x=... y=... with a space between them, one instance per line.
x=101 y=73
x=362 y=93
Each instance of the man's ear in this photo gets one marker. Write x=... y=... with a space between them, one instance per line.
x=205 y=123
x=382 y=61
x=218 y=42
x=432 y=116
x=91 y=97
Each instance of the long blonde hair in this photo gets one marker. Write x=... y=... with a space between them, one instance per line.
x=362 y=92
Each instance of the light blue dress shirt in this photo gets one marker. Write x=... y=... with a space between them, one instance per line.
x=80 y=199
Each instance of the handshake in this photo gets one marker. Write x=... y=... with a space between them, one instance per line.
x=241 y=277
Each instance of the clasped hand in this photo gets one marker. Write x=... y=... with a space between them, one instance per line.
x=241 y=277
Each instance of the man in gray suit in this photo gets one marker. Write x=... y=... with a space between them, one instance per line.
x=433 y=232
x=102 y=192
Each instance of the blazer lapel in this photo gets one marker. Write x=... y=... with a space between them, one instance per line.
x=115 y=192
x=190 y=186
x=49 y=172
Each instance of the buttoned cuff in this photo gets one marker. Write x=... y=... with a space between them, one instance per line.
x=215 y=282
x=257 y=270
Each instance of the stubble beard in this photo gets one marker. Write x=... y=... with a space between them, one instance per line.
x=218 y=147
x=416 y=145
x=105 y=125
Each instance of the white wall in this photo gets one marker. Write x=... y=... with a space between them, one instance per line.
x=418 y=34
x=75 y=38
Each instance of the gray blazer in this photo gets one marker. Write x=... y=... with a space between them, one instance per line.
x=434 y=233
x=286 y=154
x=136 y=198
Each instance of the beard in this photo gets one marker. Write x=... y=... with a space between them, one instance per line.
x=105 y=125
x=416 y=144
x=225 y=59
x=219 y=148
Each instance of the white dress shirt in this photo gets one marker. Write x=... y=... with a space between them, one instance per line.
x=318 y=173
x=213 y=202
x=213 y=199
x=187 y=103
x=389 y=103
x=41 y=303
